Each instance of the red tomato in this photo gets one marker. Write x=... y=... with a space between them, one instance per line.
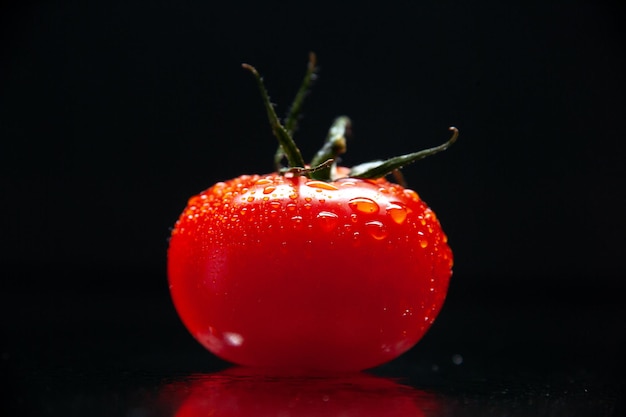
x=284 y=271
x=288 y=272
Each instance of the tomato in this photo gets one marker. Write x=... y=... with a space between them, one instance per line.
x=287 y=271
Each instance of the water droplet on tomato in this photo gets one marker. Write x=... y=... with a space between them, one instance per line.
x=430 y=215
x=293 y=196
x=275 y=204
x=292 y=207
x=423 y=243
x=364 y=205
x=397 y=212
x=412 y=194
x=263 y=181
x=321 y=185
x=269 y=189
x=193 y=201
x=250 y=199
x=376 y=229
x=327 y=219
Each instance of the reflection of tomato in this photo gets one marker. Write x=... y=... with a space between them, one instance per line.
x=242 y=392
x=323 y=269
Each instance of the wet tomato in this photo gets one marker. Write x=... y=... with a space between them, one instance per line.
x=309 y=269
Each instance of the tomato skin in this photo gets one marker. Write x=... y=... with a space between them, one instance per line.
x=285 y=272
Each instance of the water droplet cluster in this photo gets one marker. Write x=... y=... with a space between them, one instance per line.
x=246 y=209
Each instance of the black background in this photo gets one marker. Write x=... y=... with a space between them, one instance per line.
x=113 y=113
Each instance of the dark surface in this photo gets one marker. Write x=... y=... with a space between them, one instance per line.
x=106 y=354
x=113 y=113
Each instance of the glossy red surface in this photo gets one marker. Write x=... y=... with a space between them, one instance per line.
x=307 y=275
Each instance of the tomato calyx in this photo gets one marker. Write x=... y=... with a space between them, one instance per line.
x=323 y=166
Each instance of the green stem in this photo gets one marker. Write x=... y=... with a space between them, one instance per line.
x=291 y=122
x=291 y=151
x=378 y=169
x=334 y=146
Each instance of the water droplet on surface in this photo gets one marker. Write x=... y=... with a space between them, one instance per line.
x=423 y=243
x=412 y=195
x=250 y=199
x=327 y=219
x=364 y=205
x=275 y=204
x=430 y=215
x=263 y=181
x=269 y=189
x=397 y=212
x=321 y=185
x=292 y=207
x=376 y=229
